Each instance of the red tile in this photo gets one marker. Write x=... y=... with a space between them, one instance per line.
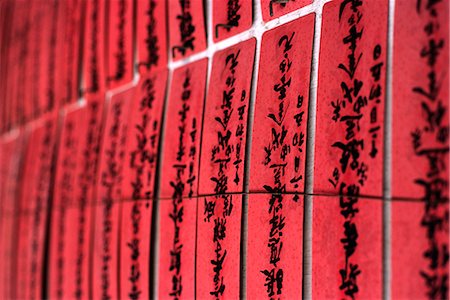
x=72 y=38
x=112 y=152
x=61 y=257
x=24 y=63
x=107 y=210
x=119 y=43
x=179 y=170
x=420 y=146
x=420 y=139
x=139 y=173
x=47 y=53
x=143 y=135
x=179 y=181
x=10 y=153
x=350 y=100
x=105 y=251
x=186 y=28
x=22 y=259
x=34 y=70
x=272 y=9
x=346 y=248
x=218 y=246
x=225 y=127
x=34 y=206
x=177 y=248
x=281 y=108
x=94 y=60
x=79 y=243
x=275 y=246
x=151 y=34
x=69 y=259
x=417 y=242
x=134 y=249
x=231 y=18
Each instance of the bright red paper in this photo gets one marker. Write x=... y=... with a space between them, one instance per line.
x=274 y=247
x=119 y=47
x=409 y=118
x=226 y=110
x=35 y=49
x=22 y=259
x=179 y=176
x=94 y=69
x=420 y=151
x=408 y=249
x=64 y=198
x=105 y=272
x=11 y=150
x=281 y=108
x=35 y=187
x=69 y=270
x=13 y=53
x=50 y=49
x=3 y=214
x=328 y=252
x=186 y=28
x=5 y=21
x=143 y=135
x=177 y=248
x=218 y=247
x=349 y=126
x=134 y=249
x=183 y=128
x=151 y=34
x=60 y=62
x=4 y=218
x=89 y=127
x=138 y=190
x=72 y=39
x=272 y=9
x=231 y=18
x=24 y=92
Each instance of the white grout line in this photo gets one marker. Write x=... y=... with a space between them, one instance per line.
x=257 y=29
x=387 y=171
x=257 y=23
x=310 y=144
x=156 y=239
x=10 y=134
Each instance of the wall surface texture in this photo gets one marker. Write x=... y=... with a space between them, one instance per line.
x=181 y=149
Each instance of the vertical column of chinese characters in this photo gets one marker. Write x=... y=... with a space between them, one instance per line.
x=93 y=73
x=375 y=96
x=281 y=3
x=50 y=88
x=430 y=142
x=119 y=55
x=68 y=169
x=144 y=154
x=40 y=202
x=108 y=181
x=350 y=112
x=221 y=157
x=233 y=16
x=87 y=179
x=279 y=150
x=151 y=38
x=186 y=27
x=178 y=186
x=94 y=84
x=241 y=125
